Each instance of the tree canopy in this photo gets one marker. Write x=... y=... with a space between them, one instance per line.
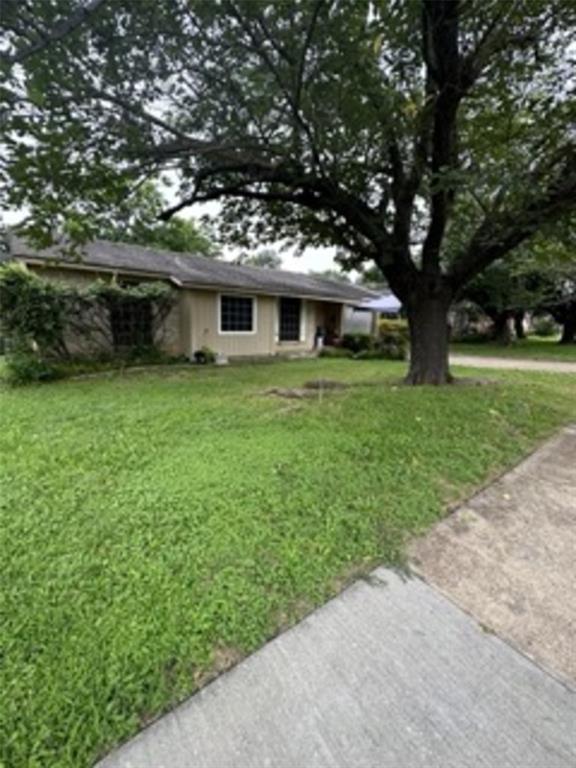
x=265 y=257
x=136 y=220
x=331 y=274
x=430 y=138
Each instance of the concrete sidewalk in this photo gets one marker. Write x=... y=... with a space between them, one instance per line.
x=393 y=674
x=508 y=555
x=389 y=674
x=512 y=364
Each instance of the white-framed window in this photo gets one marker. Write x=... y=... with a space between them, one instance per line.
x=236 y=314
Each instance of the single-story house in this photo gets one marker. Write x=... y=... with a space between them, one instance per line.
x=233 y=310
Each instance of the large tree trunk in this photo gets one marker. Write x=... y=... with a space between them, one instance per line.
x=501 y=332
x=519 y=324
x=429 y=336
x=569 y=326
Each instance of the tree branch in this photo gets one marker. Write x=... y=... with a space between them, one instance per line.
x=500 y=232
x=79 y=17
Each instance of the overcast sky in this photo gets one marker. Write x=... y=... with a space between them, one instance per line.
x=312 y=260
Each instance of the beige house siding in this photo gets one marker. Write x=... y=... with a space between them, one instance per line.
x=200 y=325
x=194 y=321
x=204 y=331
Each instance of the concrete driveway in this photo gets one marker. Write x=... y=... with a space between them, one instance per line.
x=399 y=672
x=512 y=364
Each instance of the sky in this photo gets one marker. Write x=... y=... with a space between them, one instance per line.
x=312 y=260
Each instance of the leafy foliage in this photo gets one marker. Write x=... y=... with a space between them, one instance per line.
x=41 y=319
x=545 y=327
x=391 y=343
x=371 y=126
x=356 y=342
x=336 y=352
x=205 y=356
x=25 y=367
x=136 y=220
x=331 y=274
x=540 y=279
x=266 y=257
x=33 y=311
x=430 y=138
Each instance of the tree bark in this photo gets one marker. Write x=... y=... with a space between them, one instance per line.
x=519 y=324
x=501 y=332
x=429 y=338
x=569 y=326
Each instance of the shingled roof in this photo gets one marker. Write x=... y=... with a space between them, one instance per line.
x=191 y=270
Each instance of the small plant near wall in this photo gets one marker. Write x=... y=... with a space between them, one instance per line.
x=205 y=356
x=48 y=325
x=357 y=342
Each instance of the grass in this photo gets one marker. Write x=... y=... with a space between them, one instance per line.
x=157 y=525
x=532 y=348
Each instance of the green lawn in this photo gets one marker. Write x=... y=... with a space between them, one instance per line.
x=533 y=348
x=157 y=525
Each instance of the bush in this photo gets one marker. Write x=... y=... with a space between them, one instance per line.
x=33 y=311
x=357 y=342
x=393 y=329
x=545 y=327
x=25 y=367
x=39 y=316
x=205 y=356
x=393 y=339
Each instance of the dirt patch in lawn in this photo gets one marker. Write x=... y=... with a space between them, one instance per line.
x=310 y=389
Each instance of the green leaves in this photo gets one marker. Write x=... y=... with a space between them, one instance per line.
x=44 y=318
x=31 y=309
x=314 y=122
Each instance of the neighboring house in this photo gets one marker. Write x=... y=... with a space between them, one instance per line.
x=233 y=310
x=362 y=318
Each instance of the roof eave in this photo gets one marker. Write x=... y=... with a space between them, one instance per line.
x=184 y=284
x=267 y=292
x=85 y=267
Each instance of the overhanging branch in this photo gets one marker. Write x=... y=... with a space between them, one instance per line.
x=501 y=232
x=46 y=38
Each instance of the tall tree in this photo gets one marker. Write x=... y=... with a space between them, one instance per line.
x=560 y=301
x=505 y=291
x=265 y=257
x=136 y=220
x=556 y=260
x=331 y=274
x=430 y=138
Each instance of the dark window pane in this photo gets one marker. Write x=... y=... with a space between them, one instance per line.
x=290 y=311
x=131 y=323
x=236 y=314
